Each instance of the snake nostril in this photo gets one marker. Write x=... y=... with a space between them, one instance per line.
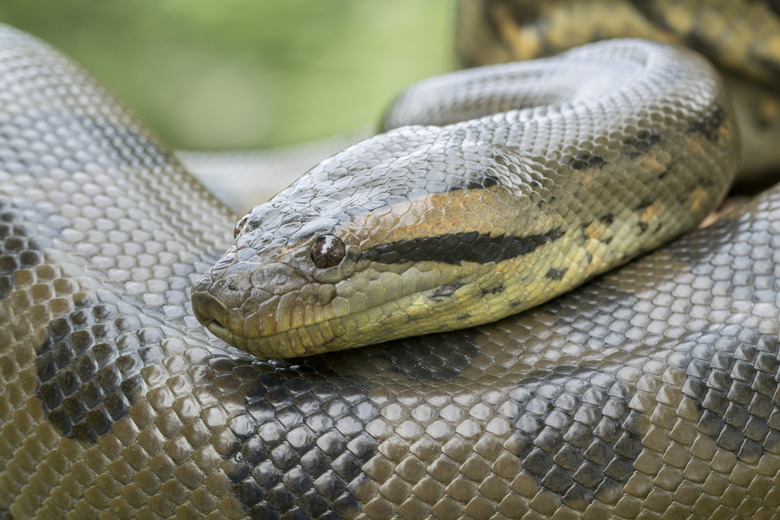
x=208 y=309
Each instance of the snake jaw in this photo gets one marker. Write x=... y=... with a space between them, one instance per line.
x=219 y=331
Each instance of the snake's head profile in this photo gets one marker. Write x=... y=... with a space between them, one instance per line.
x=379 y=242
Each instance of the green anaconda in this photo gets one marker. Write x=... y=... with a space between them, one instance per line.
x=560 y=169
x=649 y=392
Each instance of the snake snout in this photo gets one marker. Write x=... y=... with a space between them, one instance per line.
x=207 y=307
x=247 y=301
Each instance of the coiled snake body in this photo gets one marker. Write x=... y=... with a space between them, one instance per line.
x=650 y=392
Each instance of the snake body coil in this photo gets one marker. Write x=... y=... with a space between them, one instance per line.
x=647 y=393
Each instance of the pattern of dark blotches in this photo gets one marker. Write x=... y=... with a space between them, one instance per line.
x=301 y=441
x=89 y=368
x=583 y=160
x=576 y=433
x=487 y=181
x=421 y=358
x=639 y=145
x=709 y=125
x=496 y=289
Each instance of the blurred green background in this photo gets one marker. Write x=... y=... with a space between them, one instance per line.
x=232 y=74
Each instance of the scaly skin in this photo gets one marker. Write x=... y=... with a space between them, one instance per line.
x=646 y=393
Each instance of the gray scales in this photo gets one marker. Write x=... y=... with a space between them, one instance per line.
x=650 y=390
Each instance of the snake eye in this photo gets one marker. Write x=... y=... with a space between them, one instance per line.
x=327 y=251
x=240 y=225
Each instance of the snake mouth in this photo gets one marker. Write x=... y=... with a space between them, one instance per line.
x=220 y=331
x=212 y=313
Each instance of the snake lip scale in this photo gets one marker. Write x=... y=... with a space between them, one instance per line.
x=649 y=392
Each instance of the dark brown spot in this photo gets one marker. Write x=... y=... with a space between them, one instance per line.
x=638 y=145
x=584 y=160
x=497 y=289
x=486 y=181
x=709 y=124
x=555 y=274
x=446 y=291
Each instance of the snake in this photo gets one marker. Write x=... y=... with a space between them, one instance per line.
x=647 y=392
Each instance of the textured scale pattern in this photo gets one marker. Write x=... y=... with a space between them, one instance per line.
x=648 y=393
x=742 y=38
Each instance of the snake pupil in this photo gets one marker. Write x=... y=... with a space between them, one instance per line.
x=327 y=251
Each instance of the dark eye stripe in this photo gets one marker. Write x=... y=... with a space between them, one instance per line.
x=454 y=248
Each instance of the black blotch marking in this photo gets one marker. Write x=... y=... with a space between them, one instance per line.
x=303 y=423
x=464 y=317
x=555 y=274
x=576 y=459
x=455 y=248
x=486 y=181
x=640 y=144
x=26 y=230
x=642 y=226
x=83 y=382
x=422 y=358
x=609 y=218
x=496 y=289
x=583 y=160
x=446 y=291
x=643 y=205
x=86 y=379
x=709 y=124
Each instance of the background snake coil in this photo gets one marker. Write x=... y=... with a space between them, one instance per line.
x=649 y=392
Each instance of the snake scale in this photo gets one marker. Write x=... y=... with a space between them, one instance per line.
x=650 y=392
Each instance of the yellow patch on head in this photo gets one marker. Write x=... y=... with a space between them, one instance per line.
x=698 y=196
x=651 y=211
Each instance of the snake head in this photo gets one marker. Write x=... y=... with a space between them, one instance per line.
x=379 y=242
